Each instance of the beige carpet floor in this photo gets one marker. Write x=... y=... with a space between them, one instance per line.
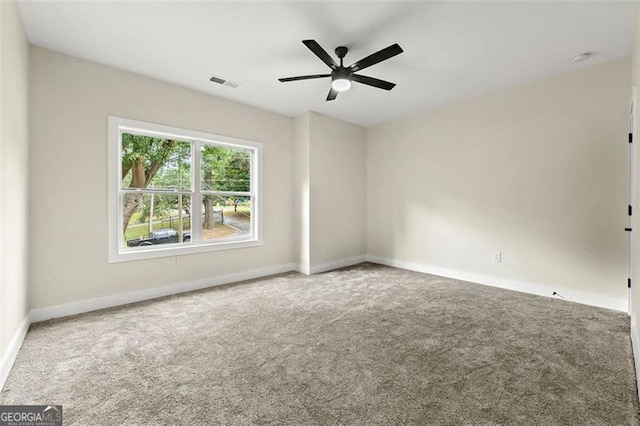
x=367 y=345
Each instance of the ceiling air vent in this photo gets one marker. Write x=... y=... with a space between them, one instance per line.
x=224 y=82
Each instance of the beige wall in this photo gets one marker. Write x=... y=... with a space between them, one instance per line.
x=301 y=219
x=70 y=102
x=14 y=152
x=330 y=192
x=337 y=191
x=537 y=172
x=635 y=77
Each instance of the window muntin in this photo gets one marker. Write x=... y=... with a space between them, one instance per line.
x=202 y=187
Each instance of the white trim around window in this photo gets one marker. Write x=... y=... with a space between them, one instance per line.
x=116 y=252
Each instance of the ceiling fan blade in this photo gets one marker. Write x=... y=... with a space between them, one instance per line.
x=320 y=53
x=304 y=77
x=333 y=93
x=370 y=81
x=379 y=56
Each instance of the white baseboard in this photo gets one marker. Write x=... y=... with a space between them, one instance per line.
x=12 y=351
x=74 y=308
x=585 y=298
x=304 y=268
x=329 y=266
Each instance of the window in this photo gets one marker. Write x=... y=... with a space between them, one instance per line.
x=175 y=191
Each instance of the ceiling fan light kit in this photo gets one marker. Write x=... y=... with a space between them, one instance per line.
x=341 y=76
x=341 y=84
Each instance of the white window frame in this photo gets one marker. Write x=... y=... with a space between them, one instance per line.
x=116 y=127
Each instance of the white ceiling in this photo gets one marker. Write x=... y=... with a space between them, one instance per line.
x=452 y=50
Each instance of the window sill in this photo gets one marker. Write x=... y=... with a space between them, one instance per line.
x=126 y=255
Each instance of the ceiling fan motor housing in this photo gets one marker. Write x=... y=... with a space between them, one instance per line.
x=341 y=73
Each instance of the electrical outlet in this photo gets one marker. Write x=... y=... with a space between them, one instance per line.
x=497 y=256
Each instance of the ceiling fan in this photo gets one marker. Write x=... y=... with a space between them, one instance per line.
x=341 y=76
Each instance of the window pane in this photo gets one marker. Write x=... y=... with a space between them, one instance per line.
x=225 y=169
x=226 y=218
x=153 y=219
x=155 y=163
